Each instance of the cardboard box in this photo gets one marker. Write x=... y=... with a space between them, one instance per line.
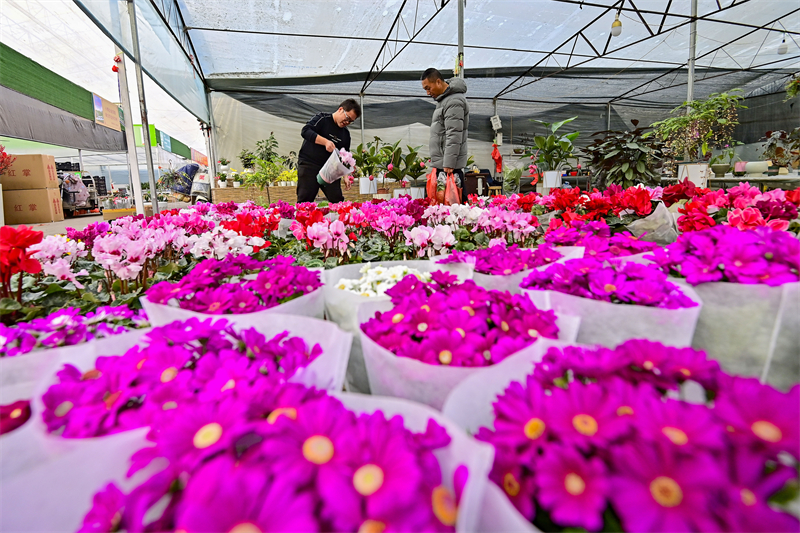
x=113 y=214
x=31 y=172
x=35 y=206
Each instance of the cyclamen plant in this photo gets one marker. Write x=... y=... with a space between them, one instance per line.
x=591 y=440
x=375 y=281
x=184 y=363
x=281 y=457
x=219 y=286
x=500 y=260
x=445 y=323
x=67 y=327
x=596 y=239
x=723 y=253
x=629 y=283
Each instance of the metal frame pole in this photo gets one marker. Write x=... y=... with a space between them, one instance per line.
x=692 y=54
x=212 y=146
x=460 y=60
x=361 y=103
x=143 y=107
x=608 y=116
x=130 y=140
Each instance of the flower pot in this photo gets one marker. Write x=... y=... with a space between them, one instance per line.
x=720 y=169
x=756 y=167
x=552 y=178
x=517 y=150
x=223 y=168
x=222 y=184
x=237 y=184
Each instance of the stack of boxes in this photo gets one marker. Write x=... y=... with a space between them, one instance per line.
x=30 y=191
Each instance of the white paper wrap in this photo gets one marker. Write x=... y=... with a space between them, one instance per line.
x=611 y=324
x=403 y=377
x=659 y=226
x=752 y=330
x=311 y=304
x=334 y=169
x=56 y=496
x=32 y=444
x=20 y=374
x=462 y=450
x=511 y=282
x=341 y=307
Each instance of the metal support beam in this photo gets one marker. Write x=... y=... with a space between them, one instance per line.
x=361 y=103
x=608 y=116
x=151 y=174
x=212 y=137
x=130 y=140
x=692 y=54
x=460 y=58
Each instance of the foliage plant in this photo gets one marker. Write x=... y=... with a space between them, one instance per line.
x=700 y=125
x=247 y=158
x=792 y=88
x=267 y=149
x=553 y=149
x=625 y=158
x=224 y=162
x=371 y=157
x=782 y=148
x=511 y=179
x=409 y=164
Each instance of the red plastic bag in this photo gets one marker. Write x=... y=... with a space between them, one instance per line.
x=430 y=186
x=452 y=194
x=449 y=196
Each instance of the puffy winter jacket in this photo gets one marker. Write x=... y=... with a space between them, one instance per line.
x=449 y=126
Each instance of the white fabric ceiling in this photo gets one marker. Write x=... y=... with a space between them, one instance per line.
x=59 y=36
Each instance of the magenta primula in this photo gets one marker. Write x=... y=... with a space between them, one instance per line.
x=174 y=365
x=444 y=323
x=590 y=439
x=628 y=283
x=282 y=457
x=501 y=260
x=219 y=286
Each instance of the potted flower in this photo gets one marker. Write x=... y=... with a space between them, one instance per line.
x=553 y=151
x=625 y=158
x=724 y=161
x=237 y=180
x=778 y=150
x=247 y=158
x=222 y=180
x=223 y=164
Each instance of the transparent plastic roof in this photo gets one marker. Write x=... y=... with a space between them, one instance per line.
x=322 y=38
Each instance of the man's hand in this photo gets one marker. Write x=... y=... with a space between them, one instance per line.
x=448 y=170
x=329 y=146
x=347 y=182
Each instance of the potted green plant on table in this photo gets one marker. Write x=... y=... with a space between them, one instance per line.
x=223 y=164
x=370 y=159
x=265 y=175
x=625 y=158
x=247 y=158
x=222 y=180
x=724 y=161
x=782 y=149
x=553 y=150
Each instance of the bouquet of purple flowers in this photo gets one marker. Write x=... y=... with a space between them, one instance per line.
x=174 y=365
x=236 y=285
x=460 y=325
x=597 y=240
x=500 y=260
x=628 y=283
x=590 y=440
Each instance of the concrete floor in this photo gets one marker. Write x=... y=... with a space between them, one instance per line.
x=57 y=228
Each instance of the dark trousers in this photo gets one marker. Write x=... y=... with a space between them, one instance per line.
x=307 y=185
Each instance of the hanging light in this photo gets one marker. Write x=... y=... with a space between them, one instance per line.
x=616 y=26
x=783 y=47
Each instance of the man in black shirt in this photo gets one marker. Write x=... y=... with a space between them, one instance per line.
x=323 y=134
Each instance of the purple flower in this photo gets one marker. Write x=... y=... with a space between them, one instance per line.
x=573 y=489
x=686 y=426
x=585 y=416
x=504 y=261
x=106 y=512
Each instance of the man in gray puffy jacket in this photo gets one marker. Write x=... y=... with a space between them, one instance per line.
x=448 y=144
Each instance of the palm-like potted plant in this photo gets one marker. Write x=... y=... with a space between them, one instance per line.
x=553 y=150
x=625 y=158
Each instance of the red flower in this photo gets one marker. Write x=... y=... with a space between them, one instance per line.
x=695 y=217
x=636 y=199
x=14 y=415
x=14 y=255
x=794 y=197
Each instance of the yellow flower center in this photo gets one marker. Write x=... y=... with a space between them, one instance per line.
x=268 y=285
x=318 y=449
x=533 y=333
x=64 y=408
x=461 y=332
x=444 y=506
x=425 y=307
x=686 y=372
x=445 y=357
x=288 y=412
x=767 y=431
x=140 y=364
x=624 y=410
x=111 y=398
x=648 y=365
x=397 y=318
x=228 y=385
x=574 y=484
x=677 y=436
x=213 y=307
x=246 y=527
x=469 y=310
x=16 y=413
x=371 y=526
x=585 y=424
x=368 y=479
x=534 y=428
x=510 y=484
x=169 y=374
x=91 y=374
x=207 y=435
x=507 y=271
x=748 y=498
x=504 y=325
x=666 y=491
x=422 y=327
x=169 y=405
x=609 y=287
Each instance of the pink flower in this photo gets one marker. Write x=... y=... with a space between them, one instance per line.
x=390 y=167
x=318 y=234
x=747 y=218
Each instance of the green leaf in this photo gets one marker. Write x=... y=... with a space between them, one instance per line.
x=629 y=174
x=640 y=166
x=625 y=167
x=53 y=288
x=9 y=305
x=611 y=154
x=169 y=268
x=89 y=297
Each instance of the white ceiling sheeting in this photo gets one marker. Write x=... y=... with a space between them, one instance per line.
x=59 y=36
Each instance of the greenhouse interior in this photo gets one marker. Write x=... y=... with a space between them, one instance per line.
x=399 y=265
